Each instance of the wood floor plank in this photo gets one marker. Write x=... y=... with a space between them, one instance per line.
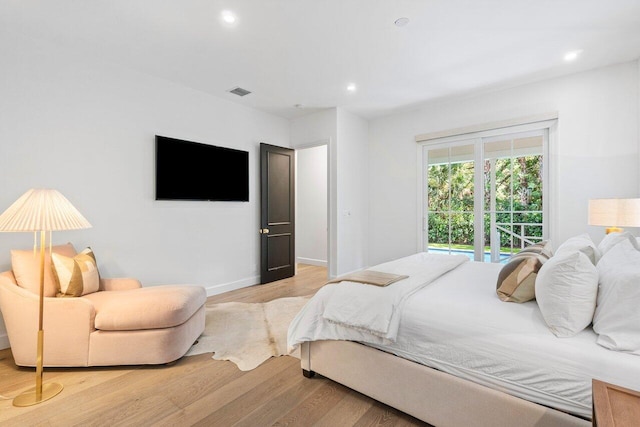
x=253 y=397
x=376 y=417
x=269 y=412
x=198 y=390
x=313 y=407
x=348 y=411
x=227 y=393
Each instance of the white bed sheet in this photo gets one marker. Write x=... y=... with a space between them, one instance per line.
x=458 y=325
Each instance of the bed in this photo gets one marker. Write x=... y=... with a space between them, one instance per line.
x=458 y=355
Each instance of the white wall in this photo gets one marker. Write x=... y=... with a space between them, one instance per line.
x=596 y=153
x=348 y=187
x=87 y=129
x=353 y=192
x=311 y=202
x=313 y=128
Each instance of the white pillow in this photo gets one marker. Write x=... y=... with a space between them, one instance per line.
x=582 y=243
x=617 y=317
x=612 y=239
x=566 y=290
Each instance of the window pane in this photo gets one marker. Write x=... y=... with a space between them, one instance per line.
x=502 y=250
x=532 y=227
x=438 y=188
x=462 y=177
x=528 y=173
x=503 y=185
x=462 y=231
x=438 y=226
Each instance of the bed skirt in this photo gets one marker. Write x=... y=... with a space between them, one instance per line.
x=428 y=394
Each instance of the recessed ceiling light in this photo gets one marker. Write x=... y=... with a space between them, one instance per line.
x=228 y=17
x=351 y=87
x=573 y=55
x=401 y=22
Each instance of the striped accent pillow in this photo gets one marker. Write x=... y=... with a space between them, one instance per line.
x=75 y=276
x=517 y=279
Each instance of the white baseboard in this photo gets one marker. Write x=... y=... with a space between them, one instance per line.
x=232 y=286
x=311 y=261
x=350 y=272
x=4 y=341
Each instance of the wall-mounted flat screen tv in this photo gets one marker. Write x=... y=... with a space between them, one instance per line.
x=187 y=170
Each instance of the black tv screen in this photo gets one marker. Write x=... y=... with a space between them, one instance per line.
x=187 y=170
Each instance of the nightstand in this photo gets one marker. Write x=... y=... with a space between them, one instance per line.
x=615 y=406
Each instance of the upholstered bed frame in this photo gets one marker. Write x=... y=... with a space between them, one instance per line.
x=428 y=394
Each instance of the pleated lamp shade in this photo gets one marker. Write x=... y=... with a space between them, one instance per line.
x=42 y=209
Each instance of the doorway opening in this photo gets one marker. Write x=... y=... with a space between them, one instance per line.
x=312 y=205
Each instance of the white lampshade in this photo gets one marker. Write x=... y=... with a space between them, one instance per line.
x=42 y=209
x=614 y=212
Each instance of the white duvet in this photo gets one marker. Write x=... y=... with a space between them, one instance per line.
x=375 y=310
x=458 y=325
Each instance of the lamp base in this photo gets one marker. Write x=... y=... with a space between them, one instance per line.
x=29 y=398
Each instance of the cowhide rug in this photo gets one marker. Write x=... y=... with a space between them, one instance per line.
x=247 y=333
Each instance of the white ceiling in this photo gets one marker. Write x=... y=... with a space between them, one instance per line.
x=305 y=52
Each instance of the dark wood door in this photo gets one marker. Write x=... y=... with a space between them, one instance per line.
x=277 y=213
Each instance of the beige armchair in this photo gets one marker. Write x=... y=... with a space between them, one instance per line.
x=121 y=324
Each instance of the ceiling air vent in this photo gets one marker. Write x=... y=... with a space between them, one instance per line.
x=239 y=91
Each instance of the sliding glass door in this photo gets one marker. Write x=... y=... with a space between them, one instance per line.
x=485 y=196
x=450 y=197
x=513 y=193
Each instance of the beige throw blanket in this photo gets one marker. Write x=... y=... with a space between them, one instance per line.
x=370 y=277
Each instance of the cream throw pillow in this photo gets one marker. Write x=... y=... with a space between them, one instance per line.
x=26 y=268
x=76 y=276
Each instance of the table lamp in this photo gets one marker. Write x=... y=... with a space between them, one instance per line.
x=614 y=213
x=43 y=211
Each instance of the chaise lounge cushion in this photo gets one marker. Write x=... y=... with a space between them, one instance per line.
x=26 y=269
x=146 y=308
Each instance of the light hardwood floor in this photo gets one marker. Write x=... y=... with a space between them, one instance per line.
x=198 y=390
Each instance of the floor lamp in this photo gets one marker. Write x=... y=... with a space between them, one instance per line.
x=43 y=211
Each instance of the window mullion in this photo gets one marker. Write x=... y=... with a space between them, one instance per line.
x=478 y=201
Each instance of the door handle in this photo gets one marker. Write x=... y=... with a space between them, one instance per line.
x=264 y=231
